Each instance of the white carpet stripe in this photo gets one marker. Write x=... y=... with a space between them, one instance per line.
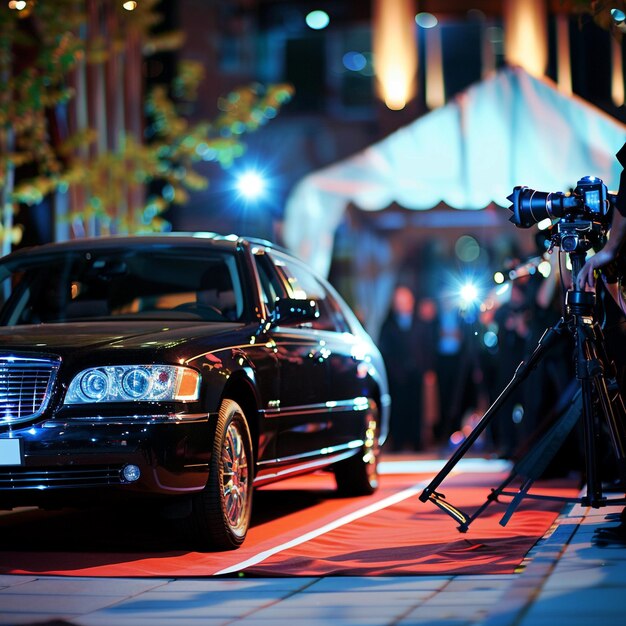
x=388 y=467
x=372 y=508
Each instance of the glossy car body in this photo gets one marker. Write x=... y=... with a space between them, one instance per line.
x=185 y=368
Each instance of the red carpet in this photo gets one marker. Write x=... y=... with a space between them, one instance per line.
x=416 y=538
x=390 y=533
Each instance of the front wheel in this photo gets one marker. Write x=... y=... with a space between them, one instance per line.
x=358 y=475
x=221 y=512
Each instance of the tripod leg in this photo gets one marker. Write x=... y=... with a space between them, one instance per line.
x=612 y=403
x=549 y=339
x=615 y=415
x=591 y=366
x=536 y=461
x=594 y=487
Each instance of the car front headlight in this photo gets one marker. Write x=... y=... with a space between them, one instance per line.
x=134 y=383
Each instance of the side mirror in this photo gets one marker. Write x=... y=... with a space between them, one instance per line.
x=292 y=311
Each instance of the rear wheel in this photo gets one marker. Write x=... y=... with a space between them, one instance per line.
x=358 y=475
x=221 y=512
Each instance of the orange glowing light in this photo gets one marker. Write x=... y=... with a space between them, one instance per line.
x=526 y=41
x=395 y=51
x=564 y=64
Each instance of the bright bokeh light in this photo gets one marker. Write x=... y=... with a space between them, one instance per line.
x=395 y=52
x=618 y=16
x=544 y=224
x=395 y=83
x=317 y=20
x=490 y=339
x=467 y=248
x=456 y=438
x=544 y=268
x=130 y=6
x=251 y=185
x=18 y=5
x=498 y=278
x=426 y=20
x=354 y=61
x=468 y=294
x=503 y=290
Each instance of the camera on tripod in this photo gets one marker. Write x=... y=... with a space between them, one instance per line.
x=584 y=215
x=580 y=220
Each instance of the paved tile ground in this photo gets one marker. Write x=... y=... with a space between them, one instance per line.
x=566 y=580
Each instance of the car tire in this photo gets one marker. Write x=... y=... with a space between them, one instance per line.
x=358 y=475
x=221 y=512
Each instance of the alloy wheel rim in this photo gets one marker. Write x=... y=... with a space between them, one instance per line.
x=235 y=479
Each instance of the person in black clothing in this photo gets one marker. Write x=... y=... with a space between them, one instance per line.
x=587 y=280
x=406 y=343
x=608 y=254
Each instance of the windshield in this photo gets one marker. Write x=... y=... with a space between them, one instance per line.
x=144 y=283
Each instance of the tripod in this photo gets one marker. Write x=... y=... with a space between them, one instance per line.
x=597 y=400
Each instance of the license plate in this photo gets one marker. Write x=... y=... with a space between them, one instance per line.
x=11 y=452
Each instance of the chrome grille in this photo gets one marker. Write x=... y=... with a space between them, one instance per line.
x=18 y=478
x=25 y=387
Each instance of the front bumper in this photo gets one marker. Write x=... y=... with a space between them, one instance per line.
x=76 y=459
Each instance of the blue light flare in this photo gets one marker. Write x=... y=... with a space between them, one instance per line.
x=251 y=185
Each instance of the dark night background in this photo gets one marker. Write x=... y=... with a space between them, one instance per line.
x=334 y=112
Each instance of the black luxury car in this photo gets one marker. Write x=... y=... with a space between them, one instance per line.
x=184 y=368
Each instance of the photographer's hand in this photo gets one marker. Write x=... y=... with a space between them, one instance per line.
x=586 y=276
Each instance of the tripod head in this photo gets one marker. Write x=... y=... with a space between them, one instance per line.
x=577 y=300
x=581 y=221
x=575 y=233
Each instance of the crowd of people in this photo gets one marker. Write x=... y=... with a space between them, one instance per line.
x=430 y=343
x=446 y=364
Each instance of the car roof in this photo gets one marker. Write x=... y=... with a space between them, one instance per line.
x=187 y=239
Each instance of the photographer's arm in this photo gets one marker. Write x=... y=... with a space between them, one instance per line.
x=586 y=277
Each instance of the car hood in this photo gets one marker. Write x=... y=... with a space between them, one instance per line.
x=89 y=336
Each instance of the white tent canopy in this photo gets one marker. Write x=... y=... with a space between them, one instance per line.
x=511 y=129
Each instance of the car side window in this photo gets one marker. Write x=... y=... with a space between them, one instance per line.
x=303 y=285
x=271 y=287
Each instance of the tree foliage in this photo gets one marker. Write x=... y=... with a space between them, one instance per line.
x=40 y=46
x=601 y=10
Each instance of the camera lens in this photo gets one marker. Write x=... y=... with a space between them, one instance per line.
x=530 y=206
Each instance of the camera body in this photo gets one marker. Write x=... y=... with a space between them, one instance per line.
x=582 y=218
x=593 y=195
